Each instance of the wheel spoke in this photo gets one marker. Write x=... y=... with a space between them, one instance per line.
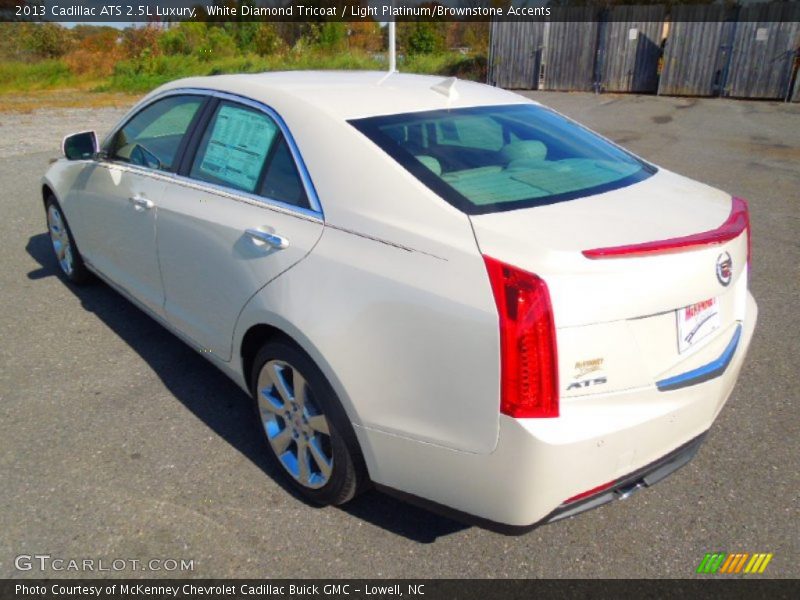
x=268 y=404
x=280 y=441
x=302 y=461
x=276 y=374
x=322 y=461
x=66 y=263
x=300 y=388
x=56 y=224
x=319 y=423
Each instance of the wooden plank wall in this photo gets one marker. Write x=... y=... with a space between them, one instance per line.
x=630 y=49
x=694 y=57
x=570 y=46
x=764 y=46
x=711 y=50
x=514 y=55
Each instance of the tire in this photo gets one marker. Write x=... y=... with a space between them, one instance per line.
x=308 y=436
x=64 y=247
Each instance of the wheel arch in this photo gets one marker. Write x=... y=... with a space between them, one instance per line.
x=268 y=327
x=253 y=340
x=47 y=191
x=260 y=327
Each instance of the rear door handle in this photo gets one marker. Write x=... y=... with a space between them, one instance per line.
x=262 y=237
x=141 y=203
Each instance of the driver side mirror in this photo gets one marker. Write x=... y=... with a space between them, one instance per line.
x=79 y=146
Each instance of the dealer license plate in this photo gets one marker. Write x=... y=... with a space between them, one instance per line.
x=696 y=322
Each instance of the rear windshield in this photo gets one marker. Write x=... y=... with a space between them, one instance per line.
x=496 y=158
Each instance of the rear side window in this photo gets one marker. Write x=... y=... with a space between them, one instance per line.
x=243 y=148
x=282 y=180
x=152 y=137
x=496 y=158
x=234 y=147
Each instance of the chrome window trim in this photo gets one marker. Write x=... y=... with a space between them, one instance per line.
x=247 y=197
x=211 y=188
x=315 y=211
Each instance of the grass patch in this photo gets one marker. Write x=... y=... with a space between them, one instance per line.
x=450 y=64
x=25 y=86
x=41 y=75
x=27 y=102
x=142 y=75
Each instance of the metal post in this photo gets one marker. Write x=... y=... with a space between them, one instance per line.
x=392 y=48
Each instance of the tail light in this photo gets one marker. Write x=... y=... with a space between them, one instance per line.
x=737 y=221
x=740 y=206
x=528 y=362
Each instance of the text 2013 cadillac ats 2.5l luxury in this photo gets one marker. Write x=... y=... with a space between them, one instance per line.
x=432 y=286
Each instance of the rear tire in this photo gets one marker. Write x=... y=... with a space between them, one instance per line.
x=309 y=437
x=64 y=246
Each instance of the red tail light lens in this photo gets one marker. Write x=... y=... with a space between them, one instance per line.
x=528 y=361
x=737 y=221
x=740 y=205
x=591 y=492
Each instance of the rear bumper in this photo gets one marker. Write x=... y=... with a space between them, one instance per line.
x=633 y=436
x=622 y=488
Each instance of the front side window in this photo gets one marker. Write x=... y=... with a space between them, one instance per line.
x=495 y=158
x=152 y=137
x=243 y=148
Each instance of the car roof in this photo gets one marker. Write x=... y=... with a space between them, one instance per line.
x=354 y=94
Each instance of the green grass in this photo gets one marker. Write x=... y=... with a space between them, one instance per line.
x=144 y=74
x=450 y=64
x=42 y=75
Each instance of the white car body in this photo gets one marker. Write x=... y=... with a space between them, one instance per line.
x=384 y=285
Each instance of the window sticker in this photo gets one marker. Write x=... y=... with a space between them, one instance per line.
x=238 y=146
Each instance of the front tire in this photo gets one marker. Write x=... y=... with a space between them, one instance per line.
x=308 y=434
x=64 y=247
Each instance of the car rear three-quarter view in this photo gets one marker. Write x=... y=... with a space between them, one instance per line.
x=436 y=287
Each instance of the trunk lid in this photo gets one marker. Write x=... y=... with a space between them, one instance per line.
x=618 y=320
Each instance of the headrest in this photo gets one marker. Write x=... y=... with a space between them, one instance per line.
x=430 y=162
x=530 y=149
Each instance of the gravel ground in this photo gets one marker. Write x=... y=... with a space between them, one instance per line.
x=117 y=441
x=43 y=130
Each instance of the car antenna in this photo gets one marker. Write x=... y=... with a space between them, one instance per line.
x=447 y=88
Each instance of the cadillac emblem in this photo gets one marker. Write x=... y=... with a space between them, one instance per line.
x=724 y=268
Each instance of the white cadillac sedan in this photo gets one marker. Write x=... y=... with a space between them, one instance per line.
x=435 y=287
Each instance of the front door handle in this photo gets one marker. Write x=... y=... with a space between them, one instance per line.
x=141 y=203
x=262 y=237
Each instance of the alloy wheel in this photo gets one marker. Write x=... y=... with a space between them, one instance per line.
x=296 y=428
x=60 y=239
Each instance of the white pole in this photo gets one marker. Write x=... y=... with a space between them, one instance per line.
x=392 y=48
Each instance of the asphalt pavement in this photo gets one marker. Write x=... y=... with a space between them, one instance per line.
x=117 y=441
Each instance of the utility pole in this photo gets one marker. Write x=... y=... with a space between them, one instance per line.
x=392 y=47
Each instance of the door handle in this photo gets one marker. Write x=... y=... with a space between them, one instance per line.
x=262 y=237
x=141 y=203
